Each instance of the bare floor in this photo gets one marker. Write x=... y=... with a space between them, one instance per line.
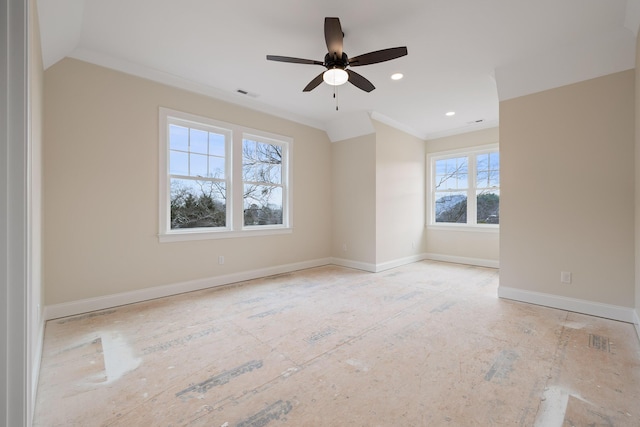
x=427 y=344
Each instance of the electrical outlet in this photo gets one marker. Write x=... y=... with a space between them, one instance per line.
x=221 y=259
x=565 y=276
x=344 y=247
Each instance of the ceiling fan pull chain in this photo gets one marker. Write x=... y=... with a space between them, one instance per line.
x=335 y=95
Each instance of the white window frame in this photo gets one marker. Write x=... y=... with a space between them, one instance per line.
x=233 y=177
x=471 y=153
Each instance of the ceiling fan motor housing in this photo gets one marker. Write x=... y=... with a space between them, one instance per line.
x=331 y=61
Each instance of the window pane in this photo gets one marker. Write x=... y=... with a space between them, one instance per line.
x=216 y=167
x=178 y=163
x=197 y=204
x=263 y=172
x=270 y=153
x=450 y=165
x=249 y=172
x=178 y=138
x=482 y=162
x=494 y=178
x=451 y=173
x=275 y=174
x=216 y=144
x=198 y=165
x=461 y=181
x=447 y=182
x=262 y=205
x=198 y=141
x=249 y=162
x=461 y=165
x=494 y=160
x=261 y=162
x=488 y=203
x=451 y=207
x=483 y=179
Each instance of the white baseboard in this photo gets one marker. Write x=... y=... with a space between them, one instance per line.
x=100 y=303
x=463 y=260
x=636 y=321
x=399 y=262
x=365 y=266
x=376 y=268
x=615 y=312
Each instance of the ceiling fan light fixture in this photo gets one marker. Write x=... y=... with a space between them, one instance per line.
x=336 y=61
x=335 y=76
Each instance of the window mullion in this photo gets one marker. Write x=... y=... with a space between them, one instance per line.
x=472 y=202
x=237 y=185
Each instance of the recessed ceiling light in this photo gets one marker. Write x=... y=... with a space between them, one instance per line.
x=450 y=113
x=396 y=76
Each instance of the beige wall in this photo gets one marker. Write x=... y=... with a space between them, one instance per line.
x=400 y=194
x=482 y=247
x=567 y=193
x=101 y=188
x=353 y=171
x=378 y=199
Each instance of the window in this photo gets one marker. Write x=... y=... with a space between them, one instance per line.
x=221 y=180
x=262 y=181
x=197 y=175
x=464 y=187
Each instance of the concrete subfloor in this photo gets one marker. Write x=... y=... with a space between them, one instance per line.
x=426 y=344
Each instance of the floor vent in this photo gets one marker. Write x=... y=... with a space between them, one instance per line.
x=599 y=343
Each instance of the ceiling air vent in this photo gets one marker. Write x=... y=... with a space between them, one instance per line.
x=475 y=122
x=244 y=92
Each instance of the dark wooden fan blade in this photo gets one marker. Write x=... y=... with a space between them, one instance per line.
x=378 y=56
x=293 y=60
x=314 y=83
x=333 y=36
x=360 y=82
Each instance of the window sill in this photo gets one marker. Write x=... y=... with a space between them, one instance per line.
x=484 y=228
x=183 y=236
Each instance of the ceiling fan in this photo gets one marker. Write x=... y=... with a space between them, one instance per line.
x=337 y=62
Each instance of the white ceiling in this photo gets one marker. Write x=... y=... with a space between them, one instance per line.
x=464 y=55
